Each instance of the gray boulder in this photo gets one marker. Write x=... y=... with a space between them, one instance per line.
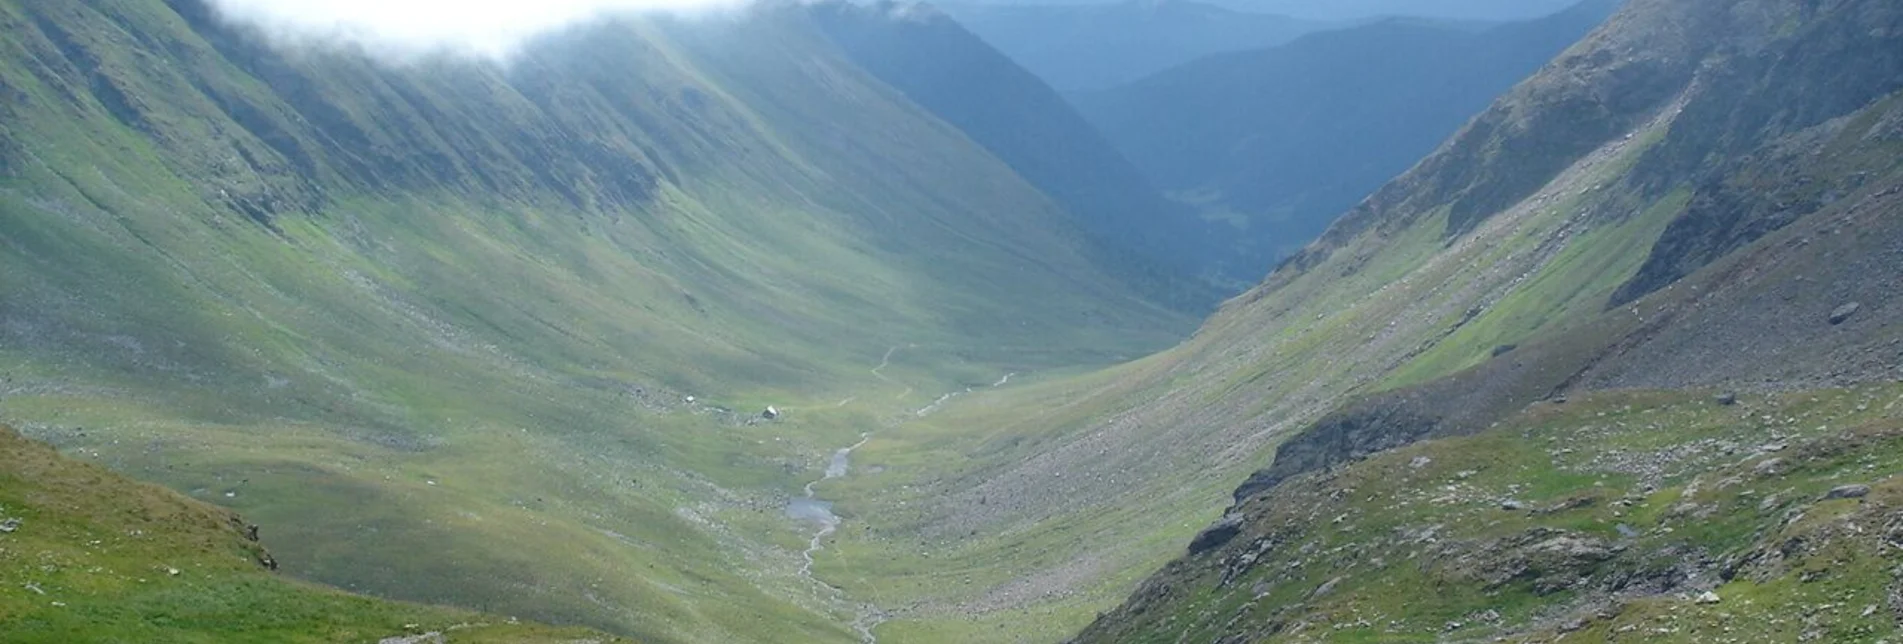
x=1843 y=313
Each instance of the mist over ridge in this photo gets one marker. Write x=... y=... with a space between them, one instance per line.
x=411 y=28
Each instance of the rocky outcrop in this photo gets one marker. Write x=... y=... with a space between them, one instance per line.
x=1342 y=437
x=1216 y=534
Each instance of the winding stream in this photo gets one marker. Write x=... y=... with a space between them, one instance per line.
x=810 y=508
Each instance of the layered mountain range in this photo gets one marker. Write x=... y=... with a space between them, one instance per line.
x=1273 y=144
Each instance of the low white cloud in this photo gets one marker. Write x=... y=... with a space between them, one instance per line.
x=410 y=27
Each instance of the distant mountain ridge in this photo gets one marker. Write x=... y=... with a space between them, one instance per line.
x=1492 y=10
x=1277 y=142
x=1088 y=46
x=942 y=67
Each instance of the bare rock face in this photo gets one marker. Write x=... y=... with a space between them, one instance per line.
x=1551 y=560
x=1216 y=534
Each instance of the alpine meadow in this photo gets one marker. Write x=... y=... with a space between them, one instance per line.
x=828 y=321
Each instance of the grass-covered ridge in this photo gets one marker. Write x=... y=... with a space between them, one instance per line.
x=435 y=326
x=91 y=556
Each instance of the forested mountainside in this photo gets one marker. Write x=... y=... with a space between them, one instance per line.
x=1274 y=144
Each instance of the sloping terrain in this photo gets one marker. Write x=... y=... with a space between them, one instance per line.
x=1275 y=143
x=1088 y=46
x=938 y=65
x=497 y=335
x=1499 y=260
x=1777 y=302
x=94 y=557
x=1627 y=517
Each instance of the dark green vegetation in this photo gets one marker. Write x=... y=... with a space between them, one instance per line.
x=1098 y=45
x=1273 y=144
x=435 y=325
x=90 y=556
x=1150 y=241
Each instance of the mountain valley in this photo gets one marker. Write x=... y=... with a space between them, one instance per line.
x=827 y=322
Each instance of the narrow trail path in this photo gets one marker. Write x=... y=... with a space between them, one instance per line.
x=886 y=361
x=936 y=404
x=809 y=507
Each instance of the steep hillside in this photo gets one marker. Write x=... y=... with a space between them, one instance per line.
x=1097 y=45
x=1779 y=298
x=1278 y=142
x=945 y=69
x=1486 y=279
x=1654 y=517
x=474 y=333
x=91 y=556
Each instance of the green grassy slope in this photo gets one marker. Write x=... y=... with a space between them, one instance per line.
x=1089 y=481
x=1758 y=319
x=1604 y=519
x=1494 y=260
x=435 y=325
x=91 y=556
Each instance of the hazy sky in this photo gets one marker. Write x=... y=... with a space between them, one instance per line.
x=490 y=27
